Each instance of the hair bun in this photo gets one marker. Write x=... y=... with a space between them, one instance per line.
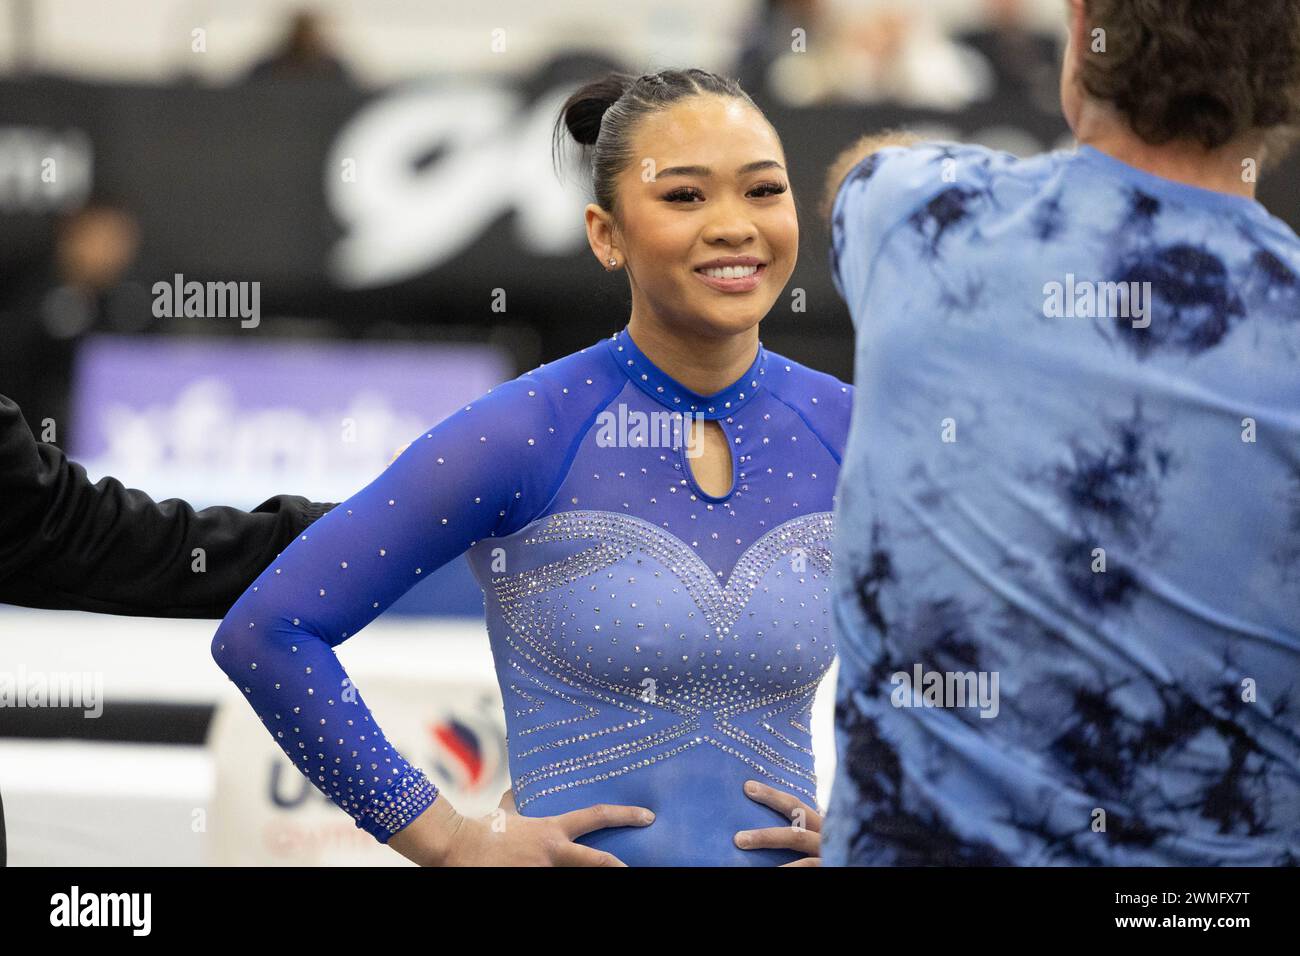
x=603 y=116
x=584 y=110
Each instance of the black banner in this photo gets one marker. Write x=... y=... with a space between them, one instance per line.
x=977 y=909
x=410 y=206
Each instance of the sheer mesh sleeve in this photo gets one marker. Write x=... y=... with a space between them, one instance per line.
x=480 y=472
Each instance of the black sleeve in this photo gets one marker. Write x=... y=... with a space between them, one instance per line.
x=68 y=544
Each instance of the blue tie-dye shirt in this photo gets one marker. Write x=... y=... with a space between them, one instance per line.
x=1072 y=484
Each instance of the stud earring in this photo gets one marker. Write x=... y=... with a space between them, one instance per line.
x=612 y=262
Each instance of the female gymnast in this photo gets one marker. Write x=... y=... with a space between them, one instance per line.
x=649 y=519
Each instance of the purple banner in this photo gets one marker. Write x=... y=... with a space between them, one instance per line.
x=220 y=421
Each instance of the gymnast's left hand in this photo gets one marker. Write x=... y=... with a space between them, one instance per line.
x=803 y=835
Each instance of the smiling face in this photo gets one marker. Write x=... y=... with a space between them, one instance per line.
x=705 y=221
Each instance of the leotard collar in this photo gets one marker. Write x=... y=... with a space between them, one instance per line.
x=666 y=390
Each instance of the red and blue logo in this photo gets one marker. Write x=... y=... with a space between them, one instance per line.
x=459 y=755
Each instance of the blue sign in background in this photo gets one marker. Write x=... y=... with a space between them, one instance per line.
x=231 y=422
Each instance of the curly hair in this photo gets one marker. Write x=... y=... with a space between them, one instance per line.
x=1206 y=71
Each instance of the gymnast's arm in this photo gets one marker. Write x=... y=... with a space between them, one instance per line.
x=477 y=474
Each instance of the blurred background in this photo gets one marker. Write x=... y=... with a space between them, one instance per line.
x=378 y=173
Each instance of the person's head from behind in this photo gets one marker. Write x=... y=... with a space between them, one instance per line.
x=96 y=244
x=691 y=197
x=1198 y=74
x=1005 y=14
x=306 y=37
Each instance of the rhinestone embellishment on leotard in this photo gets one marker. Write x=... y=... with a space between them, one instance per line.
x=609 y=726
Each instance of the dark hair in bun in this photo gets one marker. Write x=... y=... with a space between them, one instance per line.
x=602 y=116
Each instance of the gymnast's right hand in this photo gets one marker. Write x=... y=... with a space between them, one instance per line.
x=442 y=837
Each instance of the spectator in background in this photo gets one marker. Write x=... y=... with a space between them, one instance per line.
x=306 y=52
x=885 y=51
x=896 y=51
x=1023 y=61
x=87 y=287
x=770 y=37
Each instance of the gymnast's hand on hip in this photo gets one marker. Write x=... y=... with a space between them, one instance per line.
x=442 y=837
x=803 y=835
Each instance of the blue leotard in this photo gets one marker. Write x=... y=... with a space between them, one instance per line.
x=655 y=645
